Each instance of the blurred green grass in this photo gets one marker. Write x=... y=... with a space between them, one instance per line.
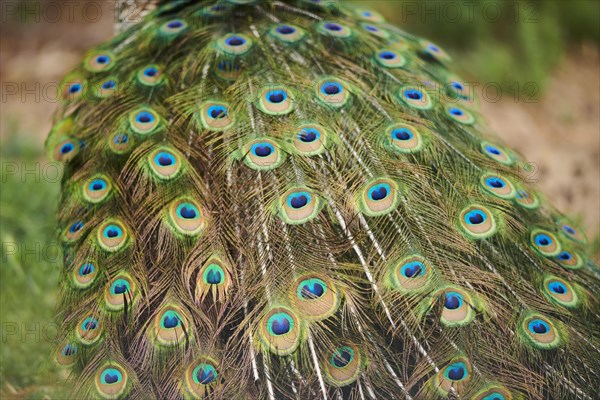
x=30 y=263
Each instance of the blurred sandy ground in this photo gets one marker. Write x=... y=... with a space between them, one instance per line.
x=560 y=133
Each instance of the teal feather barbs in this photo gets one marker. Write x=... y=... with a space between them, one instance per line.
x=296 y=199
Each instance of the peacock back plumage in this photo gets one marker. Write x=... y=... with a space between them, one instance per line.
x=294 y=199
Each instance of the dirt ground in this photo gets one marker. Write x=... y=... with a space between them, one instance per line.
x=560 y=134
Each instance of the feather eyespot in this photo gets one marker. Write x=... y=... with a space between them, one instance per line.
x=496 y=153
x=478 y=222
x=120 y=142
x=375 y=30
x=150 y=76
x=145 y=121
x=280 y=331
x=343 y=365
x=459 y=307
x=276 y=100
x=460 y=115
x=165 y=163
x=540 y=332
x=412 y=274
x=498 y=186
x=404 y=138
x=310 y=139
x=65 y=150
x=493 y=393
x=432 y=51
x=67 y=355
x=171 y=326
x=526 y=199
x=235 y=44
x=74 y=232
x=263 y=154
x=97 y=189
x=106 y=88
x=120 y=291
x=332 y=92
x=214 y=277
x=298 y=206
x=455 y=376
x=560 y=292
x=173 y=28
x=112 y=381
x=216 y=116
x=390 y=59
x=99 y=61
x=72 y=87
x=545 y=242
x=112 y=235
x=89 y=330
x=186 y=218
x=288 y=33
x=572 y=233
x=416 y=98
x=315 y=297
x=378 y=197
x=369 y=15
x=569 y=260
x=334 y=29
x=201 y=377
x=84 y=275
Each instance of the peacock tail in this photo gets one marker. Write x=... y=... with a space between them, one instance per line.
x=294 y=199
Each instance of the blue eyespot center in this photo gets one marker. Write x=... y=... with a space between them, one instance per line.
x=569 y=230
x=558 y=287
x=121 y=138
x=456 y=111
x=120 y=286
x=112 y=231
x=97 y=184
x=286 y=29
x=213 y=275
x=151 y=72
x=144 y=117
x=495 y=182
x=89 y=324
x=187 y=211
x=308 y=135
x=165 y=159
x=69 y=350
x=456 y=372
x=111 y=376
x=402 y=134
x=379 y=192
x=74 y=88
x=276 y=96
x=387 y=55
x=433 y=48
x=457 y=86
x=86 y=269
x=330 y=26
x=280 y=323
x=235 y=41
x=331 y=88
x=299 y=201
x=205 y=374
x=217 y=112
x=109 y=85
x=543 y=240
x=170 y=320
x=453 y=301
x=312 y=290
x=537 y=326
x=342 y=357
x=413 y=269
x=371 y=28
x=67 y=148
x=413 y=94
x=102 y=59
x=262 y=149
x=475 y=217
x=492 y=150
x=76 y=227
x=175 y=24
x=565 y=256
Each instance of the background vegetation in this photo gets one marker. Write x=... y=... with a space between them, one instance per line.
x=523 y=41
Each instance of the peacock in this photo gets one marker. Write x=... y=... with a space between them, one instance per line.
x=296 y=200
